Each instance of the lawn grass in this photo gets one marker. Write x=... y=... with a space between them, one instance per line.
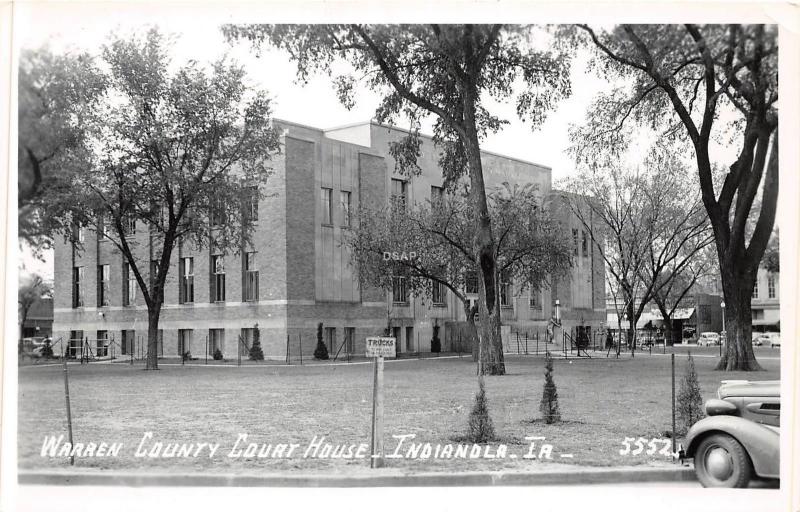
x=602 y=401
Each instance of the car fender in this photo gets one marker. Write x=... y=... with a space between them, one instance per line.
x=761 y=442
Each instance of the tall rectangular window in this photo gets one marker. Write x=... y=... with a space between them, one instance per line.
x=755 y=290
x=217 y=215
x=251 y=205
x=505 y=289
x=575 y=242
x=250 y=277
x=75 y=343
x=585 y=244
x=344 y=198
x=471 y=281
x=186 y=285
x=154 y=267
x=128 y=285
x=399 y=290
x=439 y=294
x=184 y=341
x=216 y=340
x=77 y=287
x=330 y=339
x=101 y=349
x=128 y=342
x=771 y=286
x=103 y=283
x=398 y=199
x=129 y=225
x=102 y=227
x=349 y=339
x=534 y=300
x=217 y=278
x=77 y=232
x=326 y=197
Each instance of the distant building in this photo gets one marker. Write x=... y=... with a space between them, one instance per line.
x=297 y=273
x=39 y=322
x=766 y=302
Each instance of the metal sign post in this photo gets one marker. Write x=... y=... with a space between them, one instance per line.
x=378 y=348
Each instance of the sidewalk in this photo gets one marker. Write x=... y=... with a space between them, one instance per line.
x=380 y=478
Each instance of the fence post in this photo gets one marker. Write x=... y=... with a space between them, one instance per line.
x=69 y=411
x=239 y=351
x=300 y=339
x=537 y=343
x=287 y=349
x=672 y=359
x=206 y=349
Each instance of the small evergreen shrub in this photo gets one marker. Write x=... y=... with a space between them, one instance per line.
x=690 y=400
x=256 y=354
x=217 y=355
x=481 y=428
x=436 y=344
x=321 y=352
x=549 y=403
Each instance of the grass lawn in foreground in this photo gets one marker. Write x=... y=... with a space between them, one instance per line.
x=602 y=402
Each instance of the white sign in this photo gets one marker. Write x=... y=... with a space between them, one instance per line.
x=381 y=347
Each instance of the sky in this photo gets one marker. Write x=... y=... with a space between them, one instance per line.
x=314 y=103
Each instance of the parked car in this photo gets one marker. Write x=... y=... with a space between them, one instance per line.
x=740 y=438
x=707 y=339
x=774 y=339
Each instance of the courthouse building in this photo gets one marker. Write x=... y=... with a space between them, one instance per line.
x=298 y=273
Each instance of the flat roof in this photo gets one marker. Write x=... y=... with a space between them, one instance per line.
x=372 y=122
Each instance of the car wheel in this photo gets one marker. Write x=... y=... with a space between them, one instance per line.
x=720 y=461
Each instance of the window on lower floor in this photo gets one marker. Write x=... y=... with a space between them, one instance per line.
x=755 y=290
x=399 y=290
x=758 y=314
x=128 y=341
x=349 y=339
x=216 y=340
x=184 y=341
x=771 y=286
x=330 y=340
x=101 y=347
x=75 y=343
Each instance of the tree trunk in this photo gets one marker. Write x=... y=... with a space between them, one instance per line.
x=483 y=246
x=631 y=326
x=472 y=330
x=153 y=314
x=738 y=289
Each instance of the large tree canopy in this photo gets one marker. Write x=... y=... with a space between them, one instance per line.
x=702 y=86
x=531 y=246
x=176 y=152
x=56 y=93
x=448 y=71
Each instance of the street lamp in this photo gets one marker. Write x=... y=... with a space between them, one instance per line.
x=558 y=316
x=724 y=333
